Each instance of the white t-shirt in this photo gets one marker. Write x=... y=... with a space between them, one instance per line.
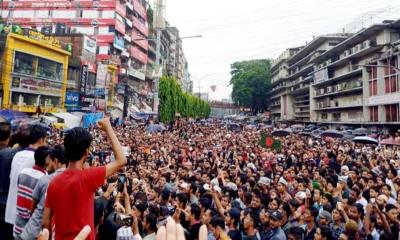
x=21 y=160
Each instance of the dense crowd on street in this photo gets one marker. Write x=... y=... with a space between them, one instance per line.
x=204 y=180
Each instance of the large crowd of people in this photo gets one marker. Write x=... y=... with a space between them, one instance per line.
x=204 y=180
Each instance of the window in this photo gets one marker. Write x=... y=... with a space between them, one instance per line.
x=372 y=80
x=111 y=28
x=79 y=13
x=23 y=63
x=392 y=113
x=35 y=66
x=373 y=114
x=336 y=117
x=391 y=76
x=324 y=116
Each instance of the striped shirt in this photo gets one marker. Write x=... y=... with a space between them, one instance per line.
x=26 y=183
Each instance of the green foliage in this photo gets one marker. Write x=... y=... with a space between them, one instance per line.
x=251 y=82
x=173 y=100
x=150 y=13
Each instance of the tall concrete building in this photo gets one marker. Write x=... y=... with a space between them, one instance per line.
x=357 y=82
x=300 y=68
x=340 y=79
x=119 y=28
x=279 y=95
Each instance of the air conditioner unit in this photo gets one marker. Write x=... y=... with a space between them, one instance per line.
x=321 y=91
x=329 y=89
x=338 y=87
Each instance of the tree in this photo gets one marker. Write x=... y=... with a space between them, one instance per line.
x=173 y=100
x=251 y=82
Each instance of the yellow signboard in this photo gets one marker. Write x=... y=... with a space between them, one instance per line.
x=43 y=38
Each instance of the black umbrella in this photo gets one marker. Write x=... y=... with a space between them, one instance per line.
x=281 y=132
x=365 y=140
x=360 y=132
x=306 y=134
x=332 y=133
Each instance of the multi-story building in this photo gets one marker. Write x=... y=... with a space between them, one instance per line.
x=300 y=68
x=33 y=71
x=341 y=79
x=278 y=107
x=119 y=28
x=356 y=82
x=292 y=77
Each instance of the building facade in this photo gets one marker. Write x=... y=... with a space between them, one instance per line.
x=278 y=107
x=33 y=72
x=118 y=27
x=340 y=79
x=356 y=82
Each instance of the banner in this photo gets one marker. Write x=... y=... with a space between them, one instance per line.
x=84 y=78
x=119 y=42
x=72 y=99
x=89 y=44
x=102 y=71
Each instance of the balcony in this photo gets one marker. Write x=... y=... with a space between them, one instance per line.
x=140 y=40
x=302 y=89
x=140 y=26
x=137 y=54
x=324 y=106
x=120 y=8
x=341 y=92
x=138 y=7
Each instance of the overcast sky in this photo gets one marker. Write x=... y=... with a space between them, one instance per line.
x=235 y=30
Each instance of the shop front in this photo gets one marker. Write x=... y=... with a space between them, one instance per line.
x=34 y=76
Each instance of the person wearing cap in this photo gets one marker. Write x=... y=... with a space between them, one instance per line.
x=276 y=232
x=325 y=218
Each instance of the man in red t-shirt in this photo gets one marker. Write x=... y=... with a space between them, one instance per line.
x=69 y=199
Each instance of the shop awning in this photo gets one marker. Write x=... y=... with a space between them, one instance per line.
x=70 y=120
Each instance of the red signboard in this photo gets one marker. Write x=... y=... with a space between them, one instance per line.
x=120 y=9
x=138 y=7
x=104 y=39
x=91 y=66
x=137 y=54
x=51 y=4
x=67 y=21
x=139 y=25
x=140 y=40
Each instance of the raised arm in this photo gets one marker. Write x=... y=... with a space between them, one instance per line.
x=120 y=159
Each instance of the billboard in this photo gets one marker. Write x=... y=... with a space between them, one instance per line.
x=119 y=42
x=84 y=78
x=89 y=44
x=72 y=99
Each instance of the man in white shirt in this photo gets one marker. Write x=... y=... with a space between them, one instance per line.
x=21 y=160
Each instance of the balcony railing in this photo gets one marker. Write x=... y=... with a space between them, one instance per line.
x=339 y=89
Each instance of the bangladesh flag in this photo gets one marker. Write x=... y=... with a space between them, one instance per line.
x=277 y=145
x=266 y=140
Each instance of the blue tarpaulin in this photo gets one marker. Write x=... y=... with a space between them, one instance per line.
x=13 y=115
x=90 y=119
